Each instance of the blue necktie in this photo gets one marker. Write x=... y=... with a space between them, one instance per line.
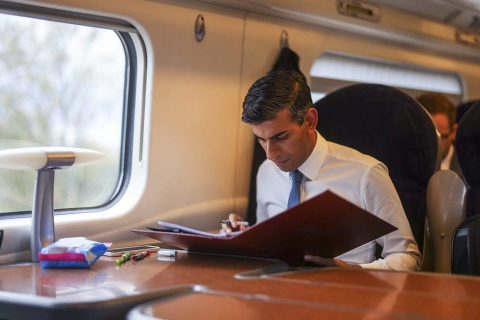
x=294 y=197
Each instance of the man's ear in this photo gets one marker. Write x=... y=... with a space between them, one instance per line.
x=311 y=118
x=454 y=129
x=453 y=133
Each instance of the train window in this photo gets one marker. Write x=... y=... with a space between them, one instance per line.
x=65 y=81
x=334 y=70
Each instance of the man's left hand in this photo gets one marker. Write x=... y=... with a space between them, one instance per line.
x=326 y=262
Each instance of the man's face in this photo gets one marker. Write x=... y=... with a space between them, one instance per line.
x=446 y=134
x=285 y=142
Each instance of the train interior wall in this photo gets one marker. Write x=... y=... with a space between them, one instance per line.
x=194 y=167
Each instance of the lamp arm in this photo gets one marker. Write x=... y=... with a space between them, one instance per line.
x=43 y=231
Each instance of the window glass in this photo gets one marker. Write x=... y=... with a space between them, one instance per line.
x=333 y=70
x=61 y=85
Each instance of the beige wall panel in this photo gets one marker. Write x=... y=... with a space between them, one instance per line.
x=194 y=115
x=262 y=44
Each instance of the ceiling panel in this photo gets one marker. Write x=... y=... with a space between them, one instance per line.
x=463 y=14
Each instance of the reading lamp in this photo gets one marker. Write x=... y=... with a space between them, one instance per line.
x=45 y=160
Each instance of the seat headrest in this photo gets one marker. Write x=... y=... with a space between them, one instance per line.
x=467 y=144
x=463 y=108
x=386 y=124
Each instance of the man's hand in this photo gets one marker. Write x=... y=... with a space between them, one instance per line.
x=325 y=262
x=234 y=223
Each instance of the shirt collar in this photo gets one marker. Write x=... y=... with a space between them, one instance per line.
x=314 y=162
x=445 y=164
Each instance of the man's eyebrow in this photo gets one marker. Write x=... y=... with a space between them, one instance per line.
x=275 y=136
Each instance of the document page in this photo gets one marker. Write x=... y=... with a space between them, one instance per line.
x=176 y=228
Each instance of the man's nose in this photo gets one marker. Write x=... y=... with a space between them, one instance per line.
x=271 y=150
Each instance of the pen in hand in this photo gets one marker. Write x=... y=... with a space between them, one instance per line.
x=234 y=223
x=239 y=223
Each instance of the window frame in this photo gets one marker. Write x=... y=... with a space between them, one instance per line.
x=135 y=61
x=358 y=60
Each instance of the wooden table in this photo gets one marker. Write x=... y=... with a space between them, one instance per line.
x=214 y=287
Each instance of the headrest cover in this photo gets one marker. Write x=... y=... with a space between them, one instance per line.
x=385 y=123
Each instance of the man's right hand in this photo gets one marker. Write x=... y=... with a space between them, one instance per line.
x=234 y=223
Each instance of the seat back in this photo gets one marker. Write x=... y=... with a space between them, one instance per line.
x=466 y=240
x=445 y=211
x=466 y=247
x=391 y=126
x=467 y=144
x=462 y=108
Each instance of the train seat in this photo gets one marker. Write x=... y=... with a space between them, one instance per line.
x=467 y=144
x=391 y=126
x=462 y=108
x=446 y=207
x=466 y=240
x=466 y=246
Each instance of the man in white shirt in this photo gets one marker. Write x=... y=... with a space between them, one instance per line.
x=280 y=111
x=443 y=114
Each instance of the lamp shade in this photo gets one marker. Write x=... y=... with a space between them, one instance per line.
x=37 y=158
x=46 y=160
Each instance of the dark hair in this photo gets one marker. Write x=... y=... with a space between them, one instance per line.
x=438 y=103
x=273 y=93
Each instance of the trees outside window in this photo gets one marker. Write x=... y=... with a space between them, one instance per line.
x=61 y=85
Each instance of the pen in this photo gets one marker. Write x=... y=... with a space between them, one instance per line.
x=124 y=258
x=240 y=223
x=140 y=255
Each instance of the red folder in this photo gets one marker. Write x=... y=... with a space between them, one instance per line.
x=326 y=225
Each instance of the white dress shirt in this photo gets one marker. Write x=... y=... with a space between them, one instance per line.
x=358 y=178
x=446 y=162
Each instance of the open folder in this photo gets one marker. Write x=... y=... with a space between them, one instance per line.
x=326 y=225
